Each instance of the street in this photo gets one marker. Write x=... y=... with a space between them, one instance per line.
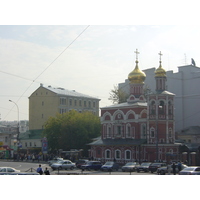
x=32 y=166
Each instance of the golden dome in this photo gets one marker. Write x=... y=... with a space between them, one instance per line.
x=137 y=76
x=160 y=72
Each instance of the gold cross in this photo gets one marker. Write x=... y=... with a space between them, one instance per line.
x=136 y=54
x=160 y=54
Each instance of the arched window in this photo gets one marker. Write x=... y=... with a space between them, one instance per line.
x=109 y=131
x=108 y=154
x=170 y=133
x=161 y=108
x=127 y=154
x=118 y=154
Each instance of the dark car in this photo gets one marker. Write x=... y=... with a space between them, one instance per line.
x=81 y=162
x=154 y=166
x=193 y=170
x=144 y=167
x=110 y=166
x=130 y=167
x=96 y=165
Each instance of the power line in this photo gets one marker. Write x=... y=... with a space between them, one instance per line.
x=48 y=66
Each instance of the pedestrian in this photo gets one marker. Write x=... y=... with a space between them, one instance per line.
x=33 y=158
x=39 y=170
x=179 y=166
x=169 y=169
x=174 y=168
x=46 y=171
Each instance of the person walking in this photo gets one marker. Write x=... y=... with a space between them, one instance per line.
x=39 y=170
x=179 y=166
x=174 y=168
x=46 y=171
x=169 y=168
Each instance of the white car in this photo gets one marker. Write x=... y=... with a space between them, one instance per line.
x=63 y=164
x=8 y=169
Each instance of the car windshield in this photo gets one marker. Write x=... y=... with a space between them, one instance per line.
x=60 y=161
x=145 y=164
x=130 y=163
x=156 y=164
x=109 y=163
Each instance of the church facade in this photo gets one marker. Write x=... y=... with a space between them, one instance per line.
x=141 y=129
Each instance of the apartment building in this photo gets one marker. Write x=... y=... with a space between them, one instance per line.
x=46 y=102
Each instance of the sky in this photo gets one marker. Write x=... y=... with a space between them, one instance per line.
x=88 y=46
x=90 y=59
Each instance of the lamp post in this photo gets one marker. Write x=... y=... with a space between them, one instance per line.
x=18 y=122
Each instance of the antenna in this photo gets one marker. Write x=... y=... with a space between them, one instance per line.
x=185 y=58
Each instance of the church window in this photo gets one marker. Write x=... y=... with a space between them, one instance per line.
x=152 y=133
x=152 y=108
x=109 y=132
x=143 y=131
x=127 y=154
x=170 y=132
x=128 y=131
x=117 y=154
x=161 y=108
x=108 y=154
x=119 y=130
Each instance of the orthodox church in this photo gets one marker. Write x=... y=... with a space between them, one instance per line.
x=141 y=129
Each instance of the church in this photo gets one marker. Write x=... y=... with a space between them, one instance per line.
x=142 y=128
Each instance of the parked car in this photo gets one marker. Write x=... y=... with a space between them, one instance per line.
x=144 y=167
x=81 y=162
x=8 y=169
x=163 y=170
x=63 y=164
x=54 y=160
x=193 y=170
x=110 y=166
x=130 y=167
x=154 y=166
x=96 y=165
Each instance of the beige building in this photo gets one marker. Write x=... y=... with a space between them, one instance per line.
x=48 y=101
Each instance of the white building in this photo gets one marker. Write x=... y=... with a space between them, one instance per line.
x=185 y=85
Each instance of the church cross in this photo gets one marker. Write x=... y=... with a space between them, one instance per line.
x=136 y=52
x=160 y=54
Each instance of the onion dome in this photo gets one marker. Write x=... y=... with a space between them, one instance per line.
x=136 y=76
x=160 y=72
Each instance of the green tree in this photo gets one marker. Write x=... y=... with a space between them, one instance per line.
x=117 y=95
x=72 y=130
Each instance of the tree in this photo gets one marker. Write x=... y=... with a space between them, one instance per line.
x=72 y=130
x=118 y=95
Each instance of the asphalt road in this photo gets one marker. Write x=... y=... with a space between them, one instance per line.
x=32 y=166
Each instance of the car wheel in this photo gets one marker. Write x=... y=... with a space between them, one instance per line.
x=72 y=168
x=59 y=168
x=152 y=172
x=162 y=173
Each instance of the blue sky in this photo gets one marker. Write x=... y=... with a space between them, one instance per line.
x=100 y=58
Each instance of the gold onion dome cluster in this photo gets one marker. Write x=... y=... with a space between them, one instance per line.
x=160 y=72
x=136 y=76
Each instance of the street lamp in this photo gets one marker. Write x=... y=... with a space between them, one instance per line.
x=18 y=122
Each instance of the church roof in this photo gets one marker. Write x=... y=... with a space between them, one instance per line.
x=119 y=141
x=165 y=92
x=126 y=104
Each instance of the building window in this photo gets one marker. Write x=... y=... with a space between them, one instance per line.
x=108 y=131
x=117 y=154
x=128 y=131
x=170 y=132
x=80 y=103
x=89 y=104
x=70 y=102
x=152 y=133
x=127 y=154
x=84 y=103
x=94 y=104
x=75 y=102
x=108 y=154
x=30 y=144
x=42 y=116
x=143 y=131
x=152 y=108
x=161 y=108
x=42 y=103
x=63 y=101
